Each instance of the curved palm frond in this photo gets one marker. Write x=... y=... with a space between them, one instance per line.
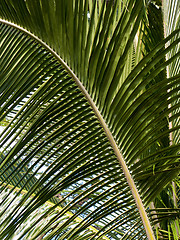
x=77 y=95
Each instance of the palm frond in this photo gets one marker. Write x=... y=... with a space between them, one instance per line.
x=78 y=96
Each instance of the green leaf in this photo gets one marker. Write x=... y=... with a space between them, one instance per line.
x=88 y=104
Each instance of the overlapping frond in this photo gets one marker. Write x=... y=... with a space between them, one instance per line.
x=64 y=150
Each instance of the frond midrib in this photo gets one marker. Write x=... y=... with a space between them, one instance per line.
x=102 y=122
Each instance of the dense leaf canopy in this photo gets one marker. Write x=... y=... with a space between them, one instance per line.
x=89 y=106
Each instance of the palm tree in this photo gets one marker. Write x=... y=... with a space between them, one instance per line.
x=90 y=117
